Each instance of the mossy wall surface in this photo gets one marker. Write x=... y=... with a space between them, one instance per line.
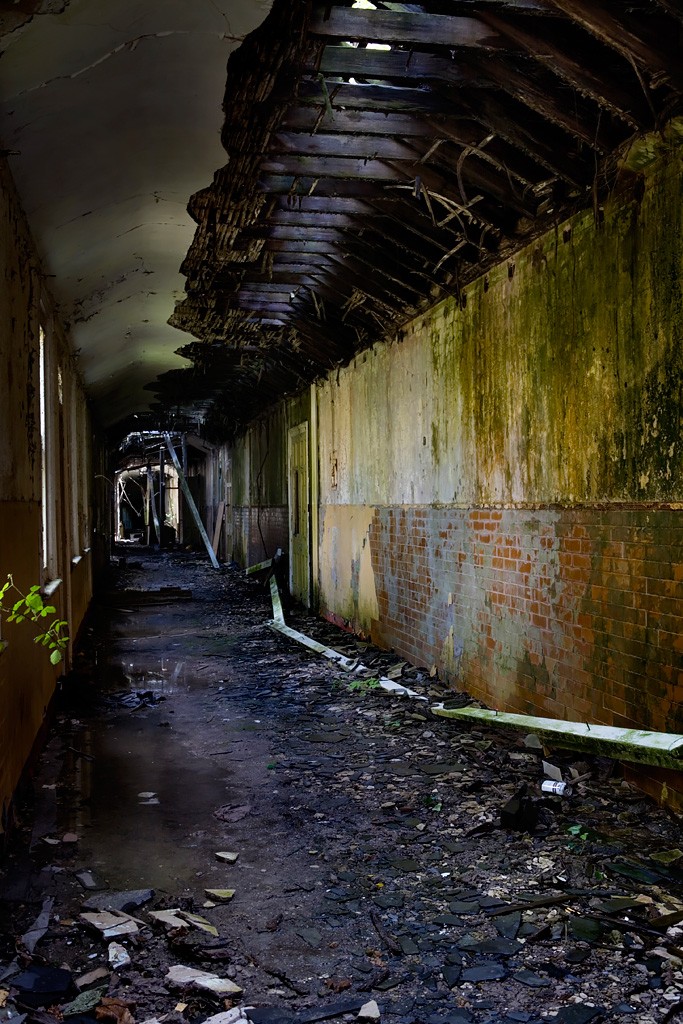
x=258 y=462
x=561 y=379
x=521 y=452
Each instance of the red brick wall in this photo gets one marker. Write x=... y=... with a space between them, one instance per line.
x=573 y=613
x=258 y=533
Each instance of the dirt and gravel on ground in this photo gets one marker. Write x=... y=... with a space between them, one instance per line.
x=318 y=846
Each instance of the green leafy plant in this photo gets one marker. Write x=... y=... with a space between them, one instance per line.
x=433 y=802
x=363 y=685
x=30 y=607
x=579 y=835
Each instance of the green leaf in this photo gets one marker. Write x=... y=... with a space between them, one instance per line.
x=34 y=589
x=49 y=609
x=55 y=657
x=34 y=602
x=20 y=618
x=17 y=606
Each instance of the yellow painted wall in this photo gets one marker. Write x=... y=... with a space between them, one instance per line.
x=257 y=475
x=27 y=680
x=347 y=584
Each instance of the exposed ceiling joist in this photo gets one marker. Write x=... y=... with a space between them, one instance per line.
x=601 y=88
x=412 y=30
x=389 y=65
x=615 y=32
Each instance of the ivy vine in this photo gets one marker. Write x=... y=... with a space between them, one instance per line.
x=30 y=607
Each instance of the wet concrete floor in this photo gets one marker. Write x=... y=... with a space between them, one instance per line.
x=371 y=865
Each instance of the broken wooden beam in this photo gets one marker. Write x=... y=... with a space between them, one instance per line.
x=218 y=526
x=662 y=749
x=347 y=24
x=388 y=64
x=251 y=570
x=184 y=486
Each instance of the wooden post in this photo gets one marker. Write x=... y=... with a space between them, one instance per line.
x=190 y=501
x=217 y=527
x=162 y=497
x=153 y=504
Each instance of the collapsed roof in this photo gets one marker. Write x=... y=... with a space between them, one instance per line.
x=383 y=155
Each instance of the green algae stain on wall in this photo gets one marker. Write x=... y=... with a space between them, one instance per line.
x=558 y=380
x=561 y=379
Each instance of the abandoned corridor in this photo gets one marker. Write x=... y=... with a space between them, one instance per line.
x=372 y=863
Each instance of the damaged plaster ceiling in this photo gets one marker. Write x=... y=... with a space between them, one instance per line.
x=111 y=115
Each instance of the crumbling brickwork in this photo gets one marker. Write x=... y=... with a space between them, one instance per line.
x=258 y=533
x=572 y=613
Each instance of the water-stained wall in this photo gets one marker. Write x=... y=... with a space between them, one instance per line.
x=45 y=530
x=501 y=487
x=256 y=477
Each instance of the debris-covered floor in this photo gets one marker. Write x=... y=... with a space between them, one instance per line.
x=312 y=844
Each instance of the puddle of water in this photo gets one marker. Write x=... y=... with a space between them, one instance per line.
x=132 y=786
x=162 y=676
x=143 y=804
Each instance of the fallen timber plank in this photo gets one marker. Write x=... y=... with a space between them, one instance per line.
x=258 y=567
x=191 y=502
x=662 y=749
x=347 y=664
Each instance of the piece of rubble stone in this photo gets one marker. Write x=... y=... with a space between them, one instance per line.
x=578 y=1014
x=128 y=900
x=484 y=972
x=234 y=1016
x=530 y=979
x=179 y=976
x=118 y=956
x=224 y=895
x=111 y=924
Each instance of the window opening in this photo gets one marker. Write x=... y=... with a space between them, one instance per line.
x=43 y=452
x=48 y=456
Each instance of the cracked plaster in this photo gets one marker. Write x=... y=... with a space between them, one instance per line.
x=112 y=119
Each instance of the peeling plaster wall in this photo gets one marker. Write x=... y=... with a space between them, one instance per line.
x=501 y=489
x=27 y=680
x=256 y=475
